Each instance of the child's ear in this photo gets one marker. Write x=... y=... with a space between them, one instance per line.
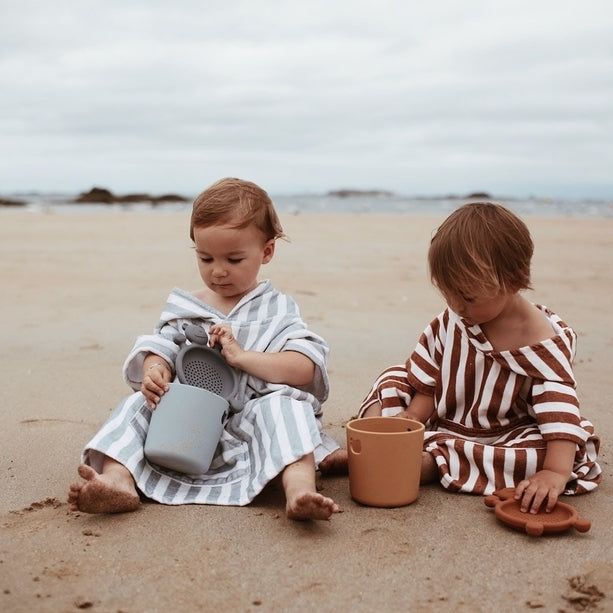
x=269 y=250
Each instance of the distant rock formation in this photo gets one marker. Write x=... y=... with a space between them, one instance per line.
x=131 y=198
x=12 y=202
x=479 y=196
x=99 y=195
x=172 y=198
x=96 y=195
x=348 y=193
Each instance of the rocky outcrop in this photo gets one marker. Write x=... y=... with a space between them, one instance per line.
x=348 y=193
x=96 y=195
x=12 y=202
x=99 y=195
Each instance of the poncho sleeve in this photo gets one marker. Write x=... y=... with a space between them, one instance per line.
x=265 y=320
x=424 y=364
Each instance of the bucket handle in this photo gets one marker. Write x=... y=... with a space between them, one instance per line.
x=356 y=445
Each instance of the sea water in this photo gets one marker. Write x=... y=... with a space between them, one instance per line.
x=332 y=204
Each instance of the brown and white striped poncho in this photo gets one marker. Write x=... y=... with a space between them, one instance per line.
x=494 y=411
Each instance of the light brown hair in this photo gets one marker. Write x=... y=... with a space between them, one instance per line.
x=480 y=250
x=238 y=203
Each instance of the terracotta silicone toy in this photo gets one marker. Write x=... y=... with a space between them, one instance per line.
x=561 y=518
x=384 y=459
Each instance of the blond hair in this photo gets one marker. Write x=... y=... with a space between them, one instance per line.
x=480 y=250
x=237 y=203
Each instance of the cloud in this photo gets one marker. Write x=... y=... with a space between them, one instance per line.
x=448 y=96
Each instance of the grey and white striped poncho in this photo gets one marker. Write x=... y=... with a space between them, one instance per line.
x=269 y=427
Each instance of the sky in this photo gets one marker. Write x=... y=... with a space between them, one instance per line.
x=420 y=98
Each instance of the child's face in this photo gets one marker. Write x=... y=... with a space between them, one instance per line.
x=476 y=310
x=229 y=259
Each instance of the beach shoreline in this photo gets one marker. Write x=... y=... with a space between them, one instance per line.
x=79 y=287
x=334 y=202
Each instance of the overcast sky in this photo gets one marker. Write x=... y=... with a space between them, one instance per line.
x=512 y=97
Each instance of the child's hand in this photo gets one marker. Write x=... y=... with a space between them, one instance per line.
x=230 y=349
x=420 y=408
x=545 y=484
x=285 y=367
x=156 y=376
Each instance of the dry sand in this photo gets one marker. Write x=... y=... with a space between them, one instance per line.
x=76 y=290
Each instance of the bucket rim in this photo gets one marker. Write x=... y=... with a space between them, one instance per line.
x=416 y=426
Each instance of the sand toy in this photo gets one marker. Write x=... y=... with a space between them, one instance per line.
x=561 y=518
x=186 y=425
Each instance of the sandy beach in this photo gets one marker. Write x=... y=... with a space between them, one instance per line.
x=79 y=287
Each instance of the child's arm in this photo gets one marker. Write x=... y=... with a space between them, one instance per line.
x=420 y=408
x=287 y=367
x=156 y=375
x=551 y=480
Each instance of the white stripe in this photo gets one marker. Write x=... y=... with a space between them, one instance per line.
x=454 y=465
x=531 y=462
x=546 y=371
x=555 y=407
x=473 y=475
x=553 y=386
x=509 y=466
x=558 y=355
x=562 y=428
x=488 y=464
x=488 y=395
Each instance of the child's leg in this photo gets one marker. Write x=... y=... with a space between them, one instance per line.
x=374 y=410
x=111 y=491
x=429 y=469
x=303 y=501
x=335 y=463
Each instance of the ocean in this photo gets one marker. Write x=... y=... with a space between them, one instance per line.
x=330 y=204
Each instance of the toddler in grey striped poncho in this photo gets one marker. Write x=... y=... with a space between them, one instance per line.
x=274 y=427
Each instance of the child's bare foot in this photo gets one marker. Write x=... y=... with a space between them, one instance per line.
x=311 y=505
x=111 y=491
x=303 y=499
x=335 y=463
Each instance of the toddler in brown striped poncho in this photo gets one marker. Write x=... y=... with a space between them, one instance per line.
x=491 y=377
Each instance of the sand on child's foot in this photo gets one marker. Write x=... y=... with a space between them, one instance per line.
x=101 y=494
x=311 y=506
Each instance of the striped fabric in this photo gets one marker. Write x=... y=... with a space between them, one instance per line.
x=494 y=411
x=270 y=425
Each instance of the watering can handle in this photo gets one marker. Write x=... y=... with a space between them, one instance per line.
x=195 y=334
